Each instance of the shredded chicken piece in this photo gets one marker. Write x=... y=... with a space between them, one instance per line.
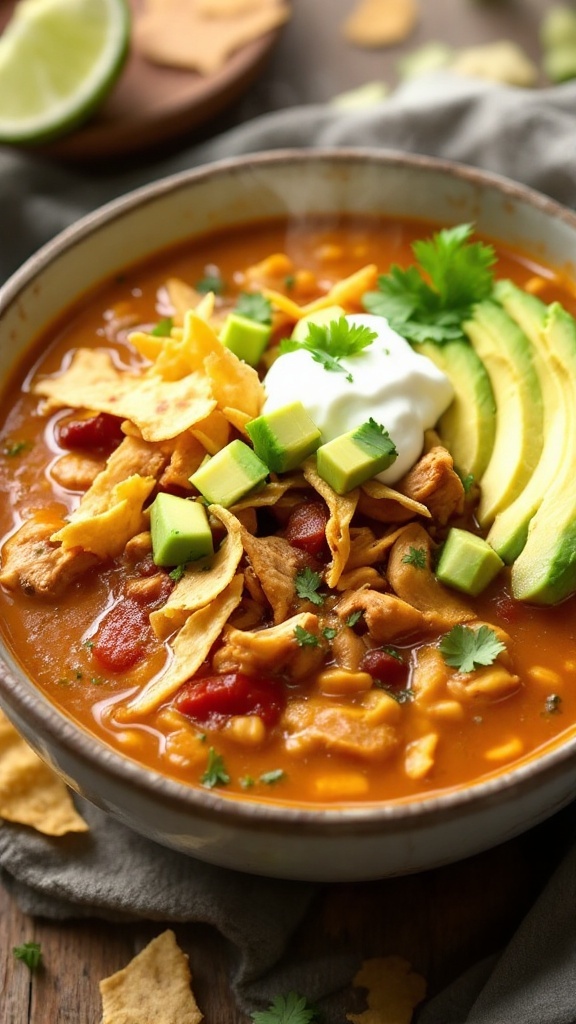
x=75 y=471
x=416 y=583
x=344 y=730
x=387 y=617
x=36 y=565
x=138 y=547
x=187 y=455
x=434 y=482
x=275 y=563
x=348 y=649
x=272 y=650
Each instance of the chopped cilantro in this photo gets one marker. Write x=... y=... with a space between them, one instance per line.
x=304 y=638
x=215 y=773
x=400 y=696
x=329 y=632
x=394 y=653
x=177 y=572
x=254 y=306
x=467 y=481
x=290 y=1009
x=416 y=557
x=460 y=275
x=307 y=582
x=210 y=283
x=466 y=649
x=30 y=953
x=269 y=778
x=163 y=328
x=14 y=448
x=289 y=282
x=374 y=439
x=552 y=703
x=354 y=618
x=246 y=781
x=328 y=343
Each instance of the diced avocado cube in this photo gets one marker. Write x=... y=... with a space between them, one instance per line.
x=285 y=437
x=351 y=459
x=230 y=474
x=246 y=338
x=467 y=562
x=180 y=530
x=322 y=317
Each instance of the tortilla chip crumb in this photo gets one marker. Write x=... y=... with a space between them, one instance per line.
x=375 y=23
x=394 y=991
x=154 y=988
x=30 y=792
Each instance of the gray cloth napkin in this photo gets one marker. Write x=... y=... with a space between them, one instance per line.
x=529 y=136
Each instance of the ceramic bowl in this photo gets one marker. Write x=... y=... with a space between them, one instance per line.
x=284 y=841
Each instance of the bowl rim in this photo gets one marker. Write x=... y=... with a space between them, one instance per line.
x=19 y=695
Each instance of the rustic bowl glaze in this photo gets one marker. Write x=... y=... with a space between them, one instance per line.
x=356 y=843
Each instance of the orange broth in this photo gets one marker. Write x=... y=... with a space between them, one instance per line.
x=51 y=637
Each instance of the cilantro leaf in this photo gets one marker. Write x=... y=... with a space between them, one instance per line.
x=329 y=632
x=307 y=582
x=290 y=1009
x=354 y=617
x=416 y=557
x=177 y=572
x=215 y=773
x=304 y=638
x=30 y=953
x=254 y=306
x=210 y=283
x=374 y=439
x=163 y=328
x=275 y=775
x=431 y=300
x=328 y=343
x=14 y=448
x=466 y=649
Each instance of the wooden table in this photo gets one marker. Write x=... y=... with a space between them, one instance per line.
x=442 y=921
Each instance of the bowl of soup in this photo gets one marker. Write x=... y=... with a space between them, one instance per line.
x=287 y=574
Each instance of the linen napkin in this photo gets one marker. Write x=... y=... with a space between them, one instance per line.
x=529 y=136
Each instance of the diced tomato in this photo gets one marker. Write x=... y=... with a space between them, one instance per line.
x=100 y=433
x=306 y=527
x=213 y=699
x=386 y=668
x=121 y=638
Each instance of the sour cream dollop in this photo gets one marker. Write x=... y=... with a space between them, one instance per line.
x=393 y=384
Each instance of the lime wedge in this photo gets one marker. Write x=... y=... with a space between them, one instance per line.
x=58 y=61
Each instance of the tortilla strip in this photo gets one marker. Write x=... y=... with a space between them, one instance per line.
x=202 y=582
x=106 y=534
x=191 y=647
x=341 y=508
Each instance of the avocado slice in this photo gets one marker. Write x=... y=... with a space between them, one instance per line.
x=509 y=530
x=352 y=458
x=507 y=355
x=468 y=427
x=467 y=562
x=179 y=529
x=230 y=474
x=246 y=338
x=545 y=571
x=284 y=437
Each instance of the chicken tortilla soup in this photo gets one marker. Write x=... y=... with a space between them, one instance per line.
x=291 y=511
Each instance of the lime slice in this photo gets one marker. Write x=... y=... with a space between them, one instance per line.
x=58 y=60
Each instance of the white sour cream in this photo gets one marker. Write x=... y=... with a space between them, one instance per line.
x=403 y=391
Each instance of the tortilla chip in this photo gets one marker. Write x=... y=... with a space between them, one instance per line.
x=154 y=988
x=203 y=581
x=30 y=792
x=183 y=297
x=106 y=534
x=394 y=991
x=176 y=34
x=386 y=505
x=347 y=293
x=341 y=508
x=191 y=647
x=367 y=549
x=235 y=384
x=375 y=23
x=187 y=455
x=93 y=382
x=213 y=433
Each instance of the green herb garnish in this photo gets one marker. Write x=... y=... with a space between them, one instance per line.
x=329 y=632
x=30 y=953
x=14 y=448
x=466 y=649
x=210 y=283
x=290 y=1009
x=254 y=306
x=163 y=328
x=269 y=778
x=416 y=557
x=306 y=583
x=177 y=572
x=354 y=618
x=374 y=439
x=460 y=275
x=215 y=773
x=304 y=638
x=328 y=343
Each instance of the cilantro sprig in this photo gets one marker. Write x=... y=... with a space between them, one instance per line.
x=306 y=583
x=331 y=342
x=30 y=953
x=215 y=773
x=416 y=557
x=466 y=649
x=431 y=300
x=289 y=1009
x=254 y=306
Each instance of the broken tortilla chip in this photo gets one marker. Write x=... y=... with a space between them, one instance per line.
x=154 y=988
x=375 y=23
x=30 y=792
x=191 y=647
x=341 y=508
x=177 y=34
x=203 y=581
x=394 y=991
x=106 y=534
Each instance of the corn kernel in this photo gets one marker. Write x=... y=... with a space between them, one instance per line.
x=341 y=681
x=506 y=751
x=419 y=758
x=547 y=676
x=345 y=786
x=381 y=708
x=447 y=710
x=246 y=729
